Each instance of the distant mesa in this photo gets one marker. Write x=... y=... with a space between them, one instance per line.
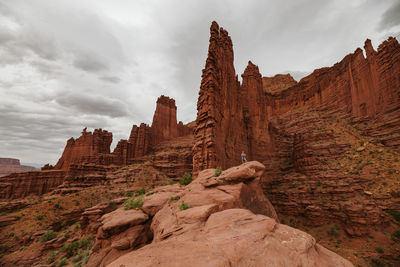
x=10 y=165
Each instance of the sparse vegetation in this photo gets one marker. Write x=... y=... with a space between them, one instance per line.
x=71 y=249
x=333 y=230
x=186 y=179
x=62 y=262
x=133 y=203
x=396 y=236
x=395 y=214
x=184 y=206
x=139 y=192
x=3 y=248
x=174 y=198
x=375 y=262
x=52 y=257
x=218 y=171
x=48 y=236
x=39 y=217
x=379 y=250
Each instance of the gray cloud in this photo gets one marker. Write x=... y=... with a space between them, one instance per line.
x=89 y=63
x=391 y=17
x=92 y=104
x=111 y=79
x=67 y=65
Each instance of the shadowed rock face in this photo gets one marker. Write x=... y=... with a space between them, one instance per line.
x=164 y=124
x=229 y=222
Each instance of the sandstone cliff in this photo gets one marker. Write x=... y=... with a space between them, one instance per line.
x=8 y=165
x=89 y=147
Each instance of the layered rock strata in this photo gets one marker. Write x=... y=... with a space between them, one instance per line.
x=8 y=165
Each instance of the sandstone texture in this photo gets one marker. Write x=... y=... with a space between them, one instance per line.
x=229 y=223
x=8 y=165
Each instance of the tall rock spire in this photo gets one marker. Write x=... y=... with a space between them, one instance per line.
x=219 y=136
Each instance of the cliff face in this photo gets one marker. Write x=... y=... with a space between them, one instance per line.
x=219 y=137
x=8 y=165
x=19 y=185
x=89 y=147
x=360 y=86
x=255 y=113
x=233 y=117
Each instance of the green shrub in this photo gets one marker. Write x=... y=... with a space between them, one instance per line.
x=377 y=262
x=128 y=193
x=48 y=236
x=72 y=249
x=58 y=206
x=62 y=262
x=140 y=192
x=52 y=257
x=39 y=217
x=171 y=182
x=186 y=179
x=379 y=250
x=184 y=206
x=396 y=236
x=3 y=248
x=174 y=198
x=76 y=226
x=133 y=203
x=395 y=214
x=218 y=171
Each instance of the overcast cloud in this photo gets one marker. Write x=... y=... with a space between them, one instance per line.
x=66 y=65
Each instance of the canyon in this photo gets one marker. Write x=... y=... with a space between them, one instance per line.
x=324 y=157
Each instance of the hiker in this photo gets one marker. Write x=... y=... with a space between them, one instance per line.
x=244 y=157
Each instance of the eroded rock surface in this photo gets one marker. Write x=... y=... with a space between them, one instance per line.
x=228 y=221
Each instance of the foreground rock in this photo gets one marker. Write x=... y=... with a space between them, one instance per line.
x=227 y=221
x=235 y=237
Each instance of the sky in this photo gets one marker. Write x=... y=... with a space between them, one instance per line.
x=70 y=64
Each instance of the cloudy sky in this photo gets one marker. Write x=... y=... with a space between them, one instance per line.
x=70 y=64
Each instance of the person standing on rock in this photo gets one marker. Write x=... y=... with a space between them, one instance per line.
x=244 y=157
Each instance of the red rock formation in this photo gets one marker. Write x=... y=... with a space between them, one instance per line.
x=165 y=125
x=219 y=137
x=255 y=113
x=277 y=83
x=361 y=86
x=227 y=123
x=140 y=138
x=88 y=148
x=19 y=185
x=8 y=165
